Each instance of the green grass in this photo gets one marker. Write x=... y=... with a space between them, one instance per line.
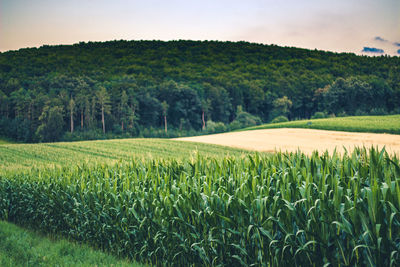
x=21 y=247
x=22 y=157
x=371 y=124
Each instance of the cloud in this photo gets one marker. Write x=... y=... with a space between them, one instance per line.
x=380 y=39
x=396 y=43
x=372 y=50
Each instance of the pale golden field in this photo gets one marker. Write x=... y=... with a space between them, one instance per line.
x=307 y=140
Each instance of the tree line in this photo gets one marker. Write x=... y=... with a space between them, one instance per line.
x=153 y=88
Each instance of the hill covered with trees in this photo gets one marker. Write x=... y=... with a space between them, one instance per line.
x=156 y=88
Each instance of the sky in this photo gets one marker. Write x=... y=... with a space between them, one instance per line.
x=370 y=27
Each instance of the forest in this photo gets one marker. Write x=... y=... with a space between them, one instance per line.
x=98 y=90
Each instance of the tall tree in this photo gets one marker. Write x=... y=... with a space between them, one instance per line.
x=12 y=85
x=21 y=101
x=64 y=98
x=165 y=106
x=3 y=104
x=124 y=109
x=348 y=95
x=254 y=96
x=205 y=107
x=221 y=107
x=283 y=105
x=133 y=108
x=81 y=99
x=103 y=100
x=52 y=124
x=71 y=112
x=149 y=109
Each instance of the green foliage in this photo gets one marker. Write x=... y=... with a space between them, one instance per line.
x=277 y=210
x=199 y=81
x=20 y=247
x=370 y=124
x=215 y=127
x=356 y=95
x=243 y=119
x=280 y=119
x=318 y=115
x=52 y=123
x=165 y=107
x=282 y=105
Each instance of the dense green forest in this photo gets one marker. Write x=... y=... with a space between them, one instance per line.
x=155 y=88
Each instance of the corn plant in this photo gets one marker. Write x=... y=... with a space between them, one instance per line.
x=286 y=209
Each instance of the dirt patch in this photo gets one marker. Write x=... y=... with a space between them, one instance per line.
x=307 y=140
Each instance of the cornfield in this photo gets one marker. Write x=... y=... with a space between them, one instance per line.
x=277 y=210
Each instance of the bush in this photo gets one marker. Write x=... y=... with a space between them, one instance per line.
x=244 y=119
x=318 y=115
x=280 y=119
x=215 y=127
x=234 y=125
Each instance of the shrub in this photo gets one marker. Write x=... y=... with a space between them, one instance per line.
x=215 y=127
x=318 y=115
x=234 y=125
x=246 y=119
x=280 y=119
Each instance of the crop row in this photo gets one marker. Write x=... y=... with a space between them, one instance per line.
x=21 y=157
x=278 y=210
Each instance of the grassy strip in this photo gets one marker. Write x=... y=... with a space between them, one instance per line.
x=19 y=247
x=371 y=124
x=22 y=157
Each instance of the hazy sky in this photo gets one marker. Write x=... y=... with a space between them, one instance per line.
x=341 y=25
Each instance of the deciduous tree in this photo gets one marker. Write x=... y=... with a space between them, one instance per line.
x=165 y=111
x=103 y=100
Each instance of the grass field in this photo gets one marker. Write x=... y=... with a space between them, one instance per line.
x=22 y=157
x=371 y=124
x=20 y=247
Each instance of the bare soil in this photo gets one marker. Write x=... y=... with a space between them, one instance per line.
x=306 y=140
